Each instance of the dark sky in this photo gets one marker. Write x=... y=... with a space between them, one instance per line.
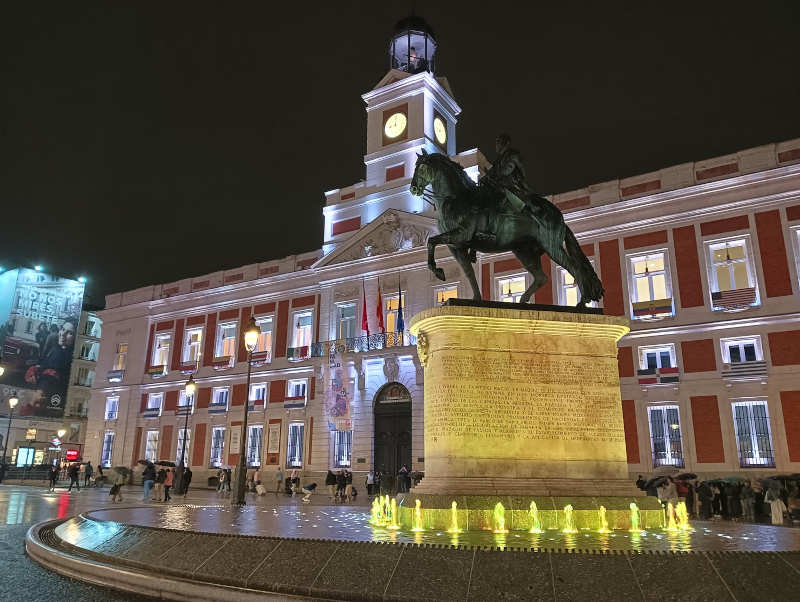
x=144 y=142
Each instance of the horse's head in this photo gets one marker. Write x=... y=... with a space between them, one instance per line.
x=423 y=174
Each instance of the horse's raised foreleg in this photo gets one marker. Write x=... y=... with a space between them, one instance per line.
x=453 y=237
x=531 y=258
x=462 y=256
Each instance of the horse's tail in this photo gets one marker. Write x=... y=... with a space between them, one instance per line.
x=592 y=287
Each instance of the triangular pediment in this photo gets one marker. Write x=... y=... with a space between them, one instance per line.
x=393 y=75
x=390 y=232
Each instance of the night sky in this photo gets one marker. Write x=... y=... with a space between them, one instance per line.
x=147 y=142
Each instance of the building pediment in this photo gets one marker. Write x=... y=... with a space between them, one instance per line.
x=391 y=231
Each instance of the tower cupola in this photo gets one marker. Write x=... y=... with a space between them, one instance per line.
x=413 y=46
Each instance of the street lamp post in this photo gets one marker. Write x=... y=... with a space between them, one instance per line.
x=191 y=389
x=12 y=403
x=250 y=335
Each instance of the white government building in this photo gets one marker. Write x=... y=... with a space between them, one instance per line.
x=702 y=257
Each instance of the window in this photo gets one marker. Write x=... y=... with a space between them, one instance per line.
x=192 y=341
x=665 y=435
x=217 y=445
x=568 y=292
x=89 y=351
x=650 y=287
x=342 y=447
x=731 y=275
x=745 y=349
x=255 y=433
x=161 y=350
x=185 y=402
x=302 y=329
x=89 y=330
x=258 y=392
x=445 y=293
x=84 y=377
x=155 y=402
x=660 y=356
x=294 y=457
x=112 y=406
x=264 y=344
x=390 y=305
x=296 y=390
x=121 y=358
x=108 y=444
x=347 y=320
x=511 y=289
x=219 y=396
x=226 y=341
x=184 y=438
x=151 y=446
x=753 y=436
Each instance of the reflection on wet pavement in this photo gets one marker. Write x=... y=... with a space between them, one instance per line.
x=351 y=523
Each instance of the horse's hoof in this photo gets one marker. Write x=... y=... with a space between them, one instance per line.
x=439 y=273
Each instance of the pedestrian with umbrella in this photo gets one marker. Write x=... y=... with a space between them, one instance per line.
x=148 y=478
x=777 y=507
x=119 y=474
x=748 y=499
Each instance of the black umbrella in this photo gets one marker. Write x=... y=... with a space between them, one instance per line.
x=145 y=462
x=655 y=482
x=165 y=463
x=686 y=476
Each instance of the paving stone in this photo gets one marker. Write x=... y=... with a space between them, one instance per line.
x=757 y=576
x=294 y=566
x=430 y=573
x=234 y=561
x=191 y=552
x=594 y=577
x=511 y=575
x=360 y=569
x=793 y=558
x=668 y=576
x=150 y=545
x=114 y=546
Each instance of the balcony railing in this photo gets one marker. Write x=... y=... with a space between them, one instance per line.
x=743 y=371
x=363 y=344
x=115 y=376
x=658 y=376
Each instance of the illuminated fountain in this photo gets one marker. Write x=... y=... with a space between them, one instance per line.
x=375 y=514
x=536 y=523
x=671 y=525
x=454 y=519
x=418 y=517
x=683 y=516
x=499 y=517
x=392 y=520
x=635 y=519
x=603 y=521
x=569 y=520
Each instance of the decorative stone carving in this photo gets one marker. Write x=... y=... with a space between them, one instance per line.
x=345 y=293
x=391 y=368
x=422 y=348
x=361 y=375
x=393 y=235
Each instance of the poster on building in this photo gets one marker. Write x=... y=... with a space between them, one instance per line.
x=274 y=438
x=337 y=391
x=236 y=441
x=39 y=316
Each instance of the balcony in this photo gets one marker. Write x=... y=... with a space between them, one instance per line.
x=157 y=371
x=259 y=358
x=649 y=377
x=115 y=376
x=298 y=354
x=152 y=412
x=363 y=344
x=188 y=367
x=745 y=371
x=222 y=362
x=734 y=300
x=655 y=309
x=218 y=408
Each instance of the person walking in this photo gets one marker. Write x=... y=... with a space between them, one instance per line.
x=88 y=473
x=341 y=483
x=704 y=497
x=777 y=507
x=148 y=480
x=52 y=475
x=161 y=476
x=74 y=476
x=748 y=499
x=278 y=481
x=168 y=480
x=117 y=481
x=330 y=483
x=348 y=485
x=221 y=476
x=369 y=481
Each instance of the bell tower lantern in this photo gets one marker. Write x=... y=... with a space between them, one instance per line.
x=413 y=46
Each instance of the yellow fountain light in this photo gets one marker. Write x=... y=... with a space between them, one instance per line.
x=635 y=519
x=454 y=519
x=536 y=523
x=683 y=516
x=671 y=524
x=603 y=521
x=393 y=517
x=569 y=520
x=417 y=517
x=499 y=517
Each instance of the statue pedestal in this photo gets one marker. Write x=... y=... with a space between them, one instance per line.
x=523 y=403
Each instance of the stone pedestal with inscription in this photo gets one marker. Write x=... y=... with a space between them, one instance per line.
x=521 y=403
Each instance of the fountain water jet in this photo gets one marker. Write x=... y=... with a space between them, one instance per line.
x=536 y=523
x=454 y=519
x=671 y=526
x=683 y=516
x=499 y=516
x=603 y=521
x=635 y=519
x=393 y=516
x=569 y=521
x=418 y=517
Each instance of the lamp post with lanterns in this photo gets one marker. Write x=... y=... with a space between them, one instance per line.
x=190 y=390
x=12 y=403
x=250 y=336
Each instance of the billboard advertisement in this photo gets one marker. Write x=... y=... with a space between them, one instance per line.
x=39 y=315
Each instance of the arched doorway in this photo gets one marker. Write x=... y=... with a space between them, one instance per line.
x=392 y=433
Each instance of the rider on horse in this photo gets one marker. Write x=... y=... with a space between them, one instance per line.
x=507 y=175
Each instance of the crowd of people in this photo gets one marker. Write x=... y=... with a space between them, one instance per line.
x=730 y=498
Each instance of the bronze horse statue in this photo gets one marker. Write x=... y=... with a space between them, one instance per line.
x=478 y=218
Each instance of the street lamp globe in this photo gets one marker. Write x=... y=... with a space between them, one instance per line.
x=61 y=433
x=191 y=386
x=2 y=370
x=13 y=400
x=251 y=335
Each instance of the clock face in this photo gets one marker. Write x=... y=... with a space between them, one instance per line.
x=395 y=125
x=439 y=130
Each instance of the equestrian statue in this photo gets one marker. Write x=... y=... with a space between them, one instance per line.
x=501 y=213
